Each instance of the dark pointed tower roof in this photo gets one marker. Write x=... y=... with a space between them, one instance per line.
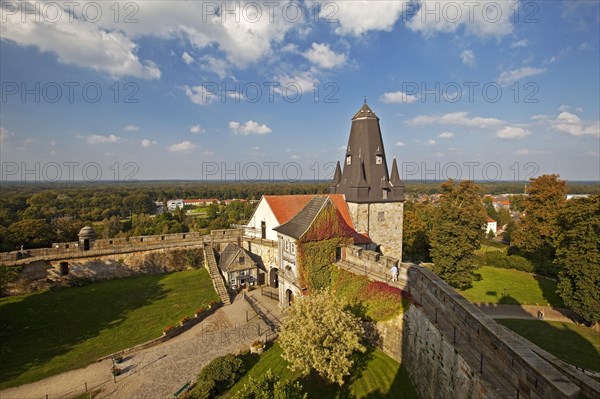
x=337 y=176
x=365 y=178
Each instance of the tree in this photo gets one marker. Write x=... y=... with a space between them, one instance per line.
x=269 y=386
x=31 y=233
x=319 y=334
x=418 y=221
x=536 y=232
x=458 y=232
x=67 y=228
x=578 y=256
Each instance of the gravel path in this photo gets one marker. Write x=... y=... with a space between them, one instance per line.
x=160 y=371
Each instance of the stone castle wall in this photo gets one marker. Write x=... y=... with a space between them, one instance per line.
x=383 y=222
x=452 y=349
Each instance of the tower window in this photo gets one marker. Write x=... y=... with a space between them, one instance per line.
x=378 y=159
x=385 y=194
x=348 y=159
x=381 y=217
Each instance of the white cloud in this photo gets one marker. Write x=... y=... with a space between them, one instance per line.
x=98 y=139
x=446 y=135
x=216 y=65
x=511 y=132
x=508 y=77
x=295 y=156
x=467 y=57
x=248 y=128
x=550 y=60
x=398 y=97
x=527 y=151
x=147 y=143
x=400 y=144
x=431 y=142
x=563 y=108
x=486 y=18
x=183 y=147
x=197 y=129
x=456 y=118
x=208 y=153
x=572 y=125
x=321 y=55
x=305 y=81
x=131 y=128
x=520 y=43
x=200 y=95
x=5 y=134
x=360 y=16
x=188 y=59
x=97 y=47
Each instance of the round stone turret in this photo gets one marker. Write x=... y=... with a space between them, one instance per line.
x=87 y=236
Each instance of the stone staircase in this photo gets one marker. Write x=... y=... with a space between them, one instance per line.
x=211 y=264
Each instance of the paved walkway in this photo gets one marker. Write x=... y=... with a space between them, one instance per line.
x=527 y=312
x=157 y=372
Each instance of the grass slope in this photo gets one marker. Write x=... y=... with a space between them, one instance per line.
x=376 y=376
x=521 y=288
x=572 y=343
x=46 y=333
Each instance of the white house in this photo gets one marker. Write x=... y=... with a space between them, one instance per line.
x=492 y=226
x=174 y=204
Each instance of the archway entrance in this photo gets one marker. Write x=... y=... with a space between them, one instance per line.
x=86 y=244
x=273 y=278
x=289 y=296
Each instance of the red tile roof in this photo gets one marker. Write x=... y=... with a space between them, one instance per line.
x=285 y=207
x=490 y=220
x=362 y=238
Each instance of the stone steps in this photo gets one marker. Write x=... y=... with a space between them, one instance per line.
x=211 y=264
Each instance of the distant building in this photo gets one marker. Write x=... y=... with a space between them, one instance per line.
x=200 y=202
x=492 y=226
x=575 y=196
x=174 y=204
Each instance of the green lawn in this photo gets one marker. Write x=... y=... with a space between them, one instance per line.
x=376 y=376
x=572 y=343
x=46 y=333
x=521 y=288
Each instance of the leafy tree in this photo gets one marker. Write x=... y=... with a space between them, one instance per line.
x=67 y=228
x=578 y=256
x=269 y=386
x=418 y=222
x=319 y=334
x=458 y=233
x=536 y=232
x=32 y=233
x=503 y=217
x=517 y=202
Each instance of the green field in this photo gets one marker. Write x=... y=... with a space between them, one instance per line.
x=46 y=333
x=572 y=343
x=376 y=376
x=521 y=288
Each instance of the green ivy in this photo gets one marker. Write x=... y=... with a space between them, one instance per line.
x=317 y=248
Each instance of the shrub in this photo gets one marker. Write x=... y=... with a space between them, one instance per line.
x=501 y=260
x=218 y=376
x=168 y=329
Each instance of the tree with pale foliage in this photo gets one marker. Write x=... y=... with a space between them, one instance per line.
x=457 y=233
x=578 y=256
x=319 y=334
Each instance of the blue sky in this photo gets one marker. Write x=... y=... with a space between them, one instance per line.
x=500 y=90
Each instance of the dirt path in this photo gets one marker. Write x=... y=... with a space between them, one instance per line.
x=156 y=372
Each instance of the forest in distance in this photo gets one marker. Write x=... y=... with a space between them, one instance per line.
x=38 y=214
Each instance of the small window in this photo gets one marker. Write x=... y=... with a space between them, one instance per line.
x=293 y=248
x=183 y=236
x=110 y=242
x=162 y=238
x=242 y=259
x=380 y=216
x=384 y=194
x=142 y=239
x=378 y=159
x=242 y=273
x=287 y=245
x=66 y=246
x=348 y=159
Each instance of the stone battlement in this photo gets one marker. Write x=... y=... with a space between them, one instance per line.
x=119 y=245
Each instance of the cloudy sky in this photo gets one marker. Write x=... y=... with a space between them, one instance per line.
x=255 y=90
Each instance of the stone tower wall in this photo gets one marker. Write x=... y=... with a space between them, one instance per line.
x=383 y=222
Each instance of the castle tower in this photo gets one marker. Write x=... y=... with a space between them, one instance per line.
x=376 y=202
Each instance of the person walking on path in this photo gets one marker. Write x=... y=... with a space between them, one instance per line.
x=394 y=271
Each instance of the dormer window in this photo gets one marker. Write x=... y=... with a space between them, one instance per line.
x=378 y=159
x=348 y=159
